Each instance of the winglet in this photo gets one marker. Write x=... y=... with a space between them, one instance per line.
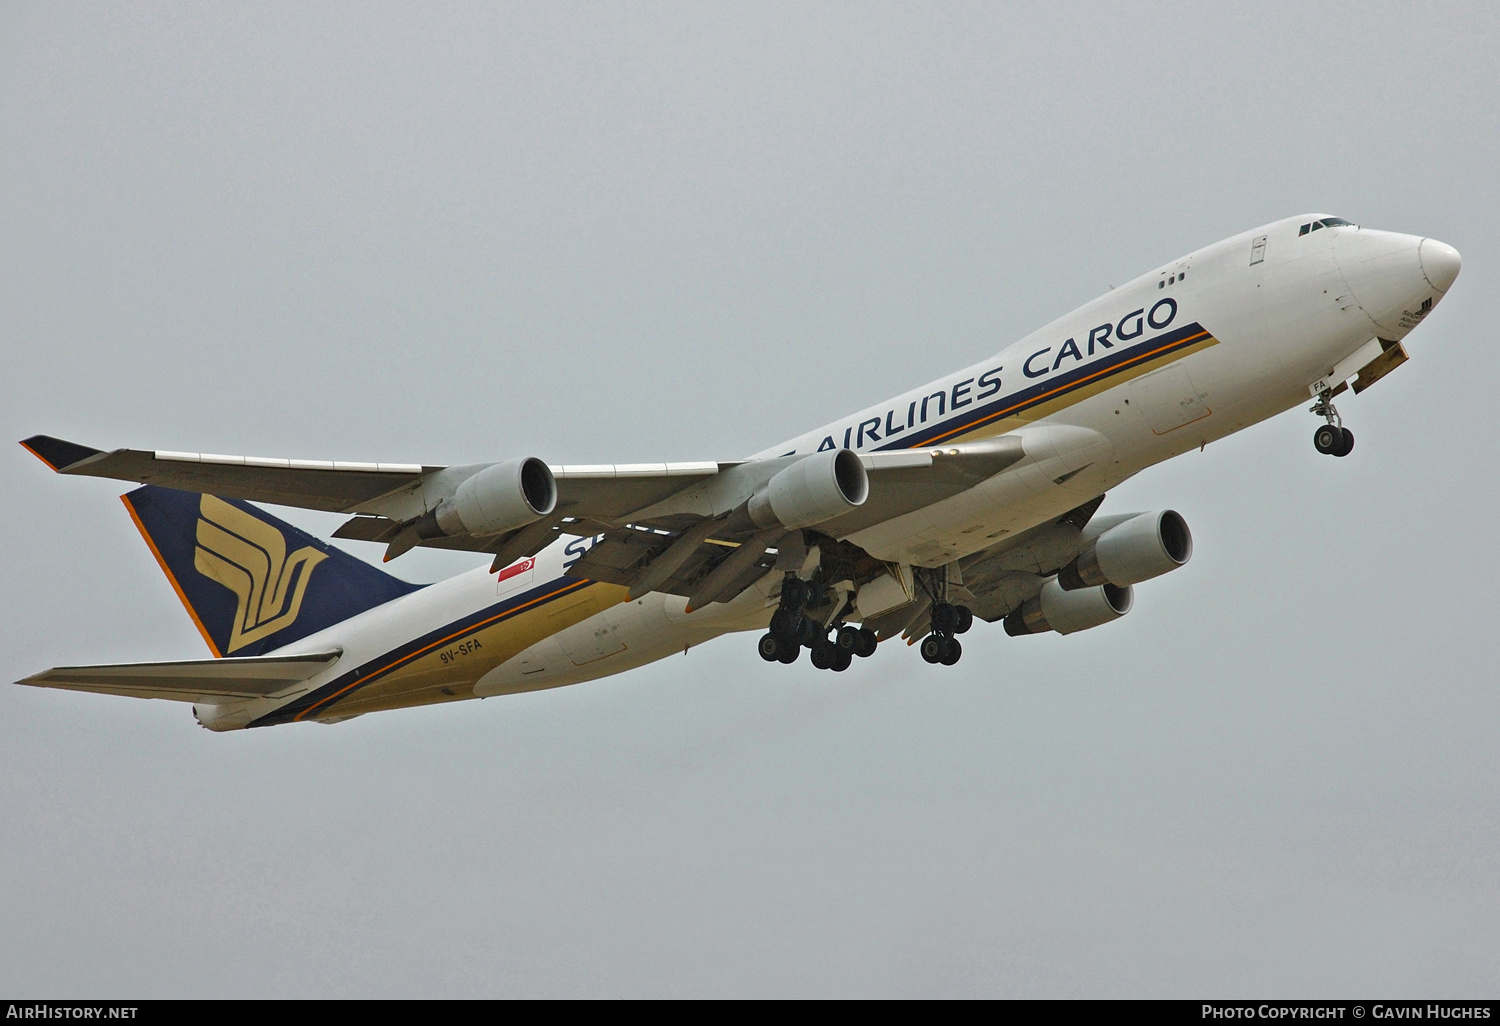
x=56 y=453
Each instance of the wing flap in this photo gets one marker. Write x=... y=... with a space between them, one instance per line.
x=194 y=680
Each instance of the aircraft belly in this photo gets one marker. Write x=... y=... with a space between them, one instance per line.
x=450 y=671
x=639 y=632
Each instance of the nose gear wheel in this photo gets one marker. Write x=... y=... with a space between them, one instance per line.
x=1332 y=438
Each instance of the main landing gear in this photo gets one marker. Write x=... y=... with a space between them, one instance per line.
x=1331 y=439
x=792 y=630
x=947 y=620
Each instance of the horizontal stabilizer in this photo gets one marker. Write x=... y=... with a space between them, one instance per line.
x=208 y=681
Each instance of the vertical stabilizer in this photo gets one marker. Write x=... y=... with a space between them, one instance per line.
x=252 y=583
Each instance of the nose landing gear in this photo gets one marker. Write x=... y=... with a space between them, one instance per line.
x=1332 y=438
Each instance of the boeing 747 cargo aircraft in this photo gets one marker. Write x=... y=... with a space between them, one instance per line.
x=975 y=497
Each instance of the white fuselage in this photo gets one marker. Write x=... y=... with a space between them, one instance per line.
x=1271 y=311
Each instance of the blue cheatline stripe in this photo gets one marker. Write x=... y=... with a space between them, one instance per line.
x=1115 y=362
x=318 y=702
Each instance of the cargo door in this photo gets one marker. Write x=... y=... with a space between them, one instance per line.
x=1168 y=400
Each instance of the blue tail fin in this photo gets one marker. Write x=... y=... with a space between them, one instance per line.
x=252 y=583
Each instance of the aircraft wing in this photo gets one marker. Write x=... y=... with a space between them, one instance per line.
x=391 y=492
x=195 y=680
x=309 y=484
x=643 y=509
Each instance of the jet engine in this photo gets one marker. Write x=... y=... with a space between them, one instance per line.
x=1144 y=546
x=822 y=486
x=1056 y=609
x=500 y=498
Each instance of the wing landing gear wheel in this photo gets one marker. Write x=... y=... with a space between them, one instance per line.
x=841 y=660
x=787 y=651
x=825 y=656
x=769 y=647
x=866 y=644
x=952 y=651
x=933 y=648
x=1347 y=442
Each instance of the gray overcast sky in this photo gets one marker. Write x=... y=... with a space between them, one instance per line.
x=644 y=232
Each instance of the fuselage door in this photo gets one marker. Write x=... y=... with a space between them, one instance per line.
x=1168 y=399
x=593 y=639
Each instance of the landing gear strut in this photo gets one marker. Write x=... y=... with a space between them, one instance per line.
x=790 y=629
x=1332 y=438
x=947 y=620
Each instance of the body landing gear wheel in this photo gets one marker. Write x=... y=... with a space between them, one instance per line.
x=860 y=641
x=787 y=651
x=784 y=622
x=848 y=639
x=794 y=593
x=1329 y=439
x=824 y=656
x=810 y=633
x=841 y=660
x=965 y=619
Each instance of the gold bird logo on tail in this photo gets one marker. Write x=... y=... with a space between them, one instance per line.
x=248 y=556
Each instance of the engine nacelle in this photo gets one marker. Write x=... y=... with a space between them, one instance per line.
x=1056 y=609
x=1145 y=546
x=822 y=486
x=500 y=498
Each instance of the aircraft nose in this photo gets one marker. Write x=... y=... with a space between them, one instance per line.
x=1440 y=263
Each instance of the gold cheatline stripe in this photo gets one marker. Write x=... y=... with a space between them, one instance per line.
x=1061 y=388
x=441 y=641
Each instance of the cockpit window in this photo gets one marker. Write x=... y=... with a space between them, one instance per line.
x=1327 y=222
